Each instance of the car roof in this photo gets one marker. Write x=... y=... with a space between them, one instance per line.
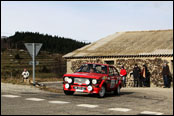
x=97 y=64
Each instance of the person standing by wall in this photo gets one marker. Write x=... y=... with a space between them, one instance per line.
x=145 y=76
x=25 y=75
x=137 y=75
x=123 y=73
x=165 y=73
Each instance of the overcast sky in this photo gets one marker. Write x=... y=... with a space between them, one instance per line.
x=84 y=21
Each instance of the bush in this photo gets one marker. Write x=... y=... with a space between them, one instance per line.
x=45 y=69
x=16 y=73
x=17 y=56
x=3 y=49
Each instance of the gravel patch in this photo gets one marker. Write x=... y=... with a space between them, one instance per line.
x=8 y=87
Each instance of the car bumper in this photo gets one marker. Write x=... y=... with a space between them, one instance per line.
x=82 y=88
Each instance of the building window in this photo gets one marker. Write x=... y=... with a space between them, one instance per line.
x=110 y=62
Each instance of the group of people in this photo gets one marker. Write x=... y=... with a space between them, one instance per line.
x=142 y=77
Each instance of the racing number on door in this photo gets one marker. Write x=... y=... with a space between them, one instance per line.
x=111 y=74
x=112 y=84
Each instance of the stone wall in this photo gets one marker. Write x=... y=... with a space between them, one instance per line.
x=154 y=66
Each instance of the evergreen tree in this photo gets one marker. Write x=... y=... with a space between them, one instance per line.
x=54 y=44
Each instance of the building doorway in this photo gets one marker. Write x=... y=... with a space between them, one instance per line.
x=110 y=62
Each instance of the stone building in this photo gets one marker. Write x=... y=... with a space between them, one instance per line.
x=152 y=48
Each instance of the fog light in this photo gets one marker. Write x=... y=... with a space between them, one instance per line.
x=67 y=86
x=89 y=88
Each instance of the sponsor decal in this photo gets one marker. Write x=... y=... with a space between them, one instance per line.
x=104 y=78
x=112 y=84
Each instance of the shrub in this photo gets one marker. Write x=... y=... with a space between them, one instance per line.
x=45 y=69
x=17 y=56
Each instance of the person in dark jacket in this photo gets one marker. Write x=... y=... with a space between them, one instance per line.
x=137 y=75
x=165 y=73
x=145 y=74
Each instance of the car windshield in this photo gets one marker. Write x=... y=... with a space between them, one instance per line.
x=93 y=68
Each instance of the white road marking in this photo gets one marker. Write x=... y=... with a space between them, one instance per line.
x=34 y=99
x=87 y=105
x=152 y=113
x=10 y=96
x=58 y=102
x=120 y=109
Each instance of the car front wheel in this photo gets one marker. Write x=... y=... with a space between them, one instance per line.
x=69 y=92
x=102 y=92
x=117 y=91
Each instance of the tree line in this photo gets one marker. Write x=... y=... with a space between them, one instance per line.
x=53 y=44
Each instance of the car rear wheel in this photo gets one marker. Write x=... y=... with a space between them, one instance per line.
x=69 y=92
x=102 y=92
x=117 y=91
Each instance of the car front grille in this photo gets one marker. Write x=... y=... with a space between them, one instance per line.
x=80 y=80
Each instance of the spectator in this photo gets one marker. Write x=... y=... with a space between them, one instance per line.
x=145 y=76
x=25 y=75
x=137 y=75
x=165 y=73
x=123 y=73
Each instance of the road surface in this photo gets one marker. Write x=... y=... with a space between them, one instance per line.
x=29 y=100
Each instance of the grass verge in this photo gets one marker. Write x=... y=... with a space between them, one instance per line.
x=45 y=88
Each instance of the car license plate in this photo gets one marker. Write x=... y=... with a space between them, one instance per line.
x=79 y=89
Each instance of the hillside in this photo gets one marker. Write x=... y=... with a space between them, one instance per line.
x=52 y=44
x=15 y=57
x=51 y=66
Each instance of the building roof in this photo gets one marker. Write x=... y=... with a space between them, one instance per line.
x=154 y=42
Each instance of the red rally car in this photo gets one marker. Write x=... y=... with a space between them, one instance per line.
x=93 y=78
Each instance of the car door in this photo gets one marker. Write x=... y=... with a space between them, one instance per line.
x=111 y=79
x=116 y=76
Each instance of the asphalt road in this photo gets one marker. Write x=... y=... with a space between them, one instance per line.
x=27 y=100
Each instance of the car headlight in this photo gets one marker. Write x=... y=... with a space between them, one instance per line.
x=94 y=81
x=66 y=79
x=87 y=82
x=69 y=80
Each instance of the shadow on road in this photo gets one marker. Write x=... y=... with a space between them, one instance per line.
x=145 y=114
x=107 y=95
